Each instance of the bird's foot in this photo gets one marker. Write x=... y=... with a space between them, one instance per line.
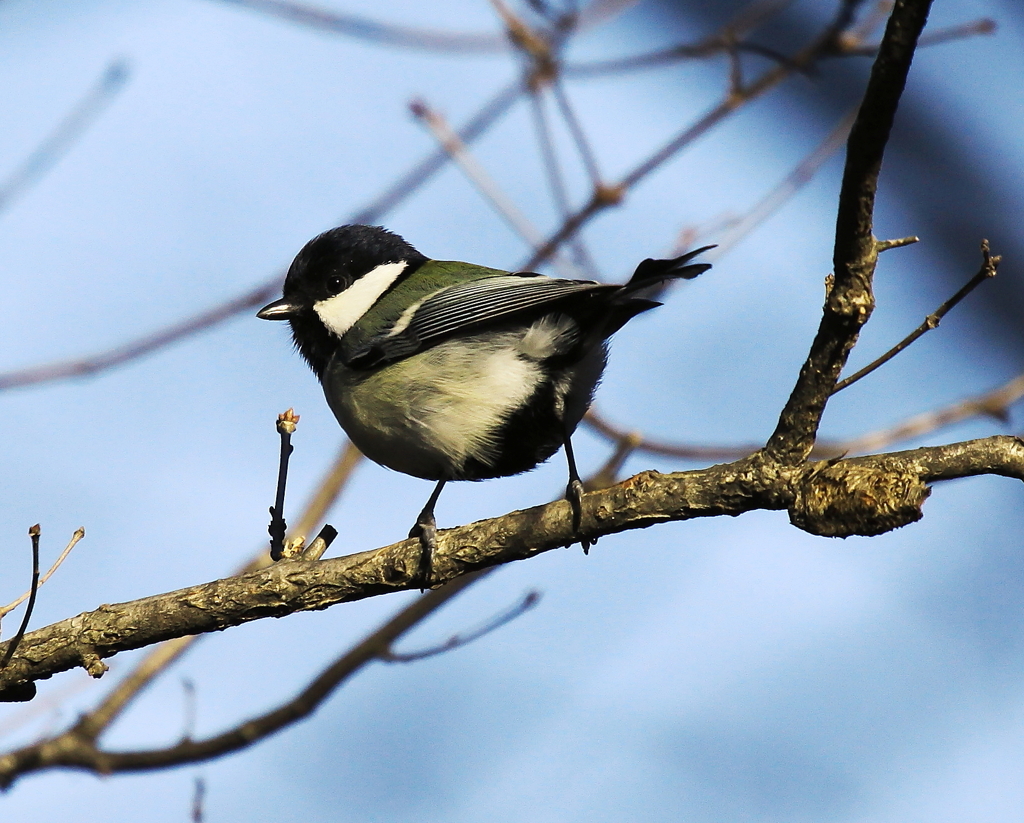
x=574 y=494
x=426 y=530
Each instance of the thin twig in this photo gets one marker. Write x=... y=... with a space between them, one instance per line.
x=78 y=535
x=793 y=182
x=413 y=180
x=321 y=543
x=286 y=423
x=389 y=34
x=579 y=136
x=483 y=182
x=608 y=195
x=963 y=31
x=608 y=474
x=456 y=641
x=474 y=172
x=995 y=403
x=556 y=182
x=188 y=693
x=536 y=46
x=81 y=367
x=859 y=31
x=48 y=703
x=67 y=132
x=989 y=268
x=650 y=445
x=12 y=645
x=730 y=37
x=198 y=800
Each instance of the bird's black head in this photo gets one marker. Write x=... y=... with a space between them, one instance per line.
x=337 y=277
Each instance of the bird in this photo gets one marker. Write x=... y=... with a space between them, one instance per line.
x=450 y=371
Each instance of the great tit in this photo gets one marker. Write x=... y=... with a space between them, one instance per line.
x=452 y=371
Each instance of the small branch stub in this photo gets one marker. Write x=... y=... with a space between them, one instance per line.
x=286 y=424
x=885 y=245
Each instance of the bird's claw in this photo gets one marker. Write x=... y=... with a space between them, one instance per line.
x=426 y=530
x=574 y=494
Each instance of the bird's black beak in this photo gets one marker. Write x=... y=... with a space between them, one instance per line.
x=282 y=309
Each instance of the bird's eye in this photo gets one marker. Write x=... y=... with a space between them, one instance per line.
x=337 y=282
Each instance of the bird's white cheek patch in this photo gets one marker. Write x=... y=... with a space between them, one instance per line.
x=341 y=312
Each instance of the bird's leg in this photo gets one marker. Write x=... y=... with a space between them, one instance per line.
x=574 y=494
x=426 y=530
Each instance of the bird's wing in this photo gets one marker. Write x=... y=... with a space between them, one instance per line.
x=462 y=308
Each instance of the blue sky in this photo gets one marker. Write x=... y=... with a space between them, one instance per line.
x=719 y=670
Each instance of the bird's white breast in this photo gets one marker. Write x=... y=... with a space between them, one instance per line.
x=432 y=412
x=341 y=312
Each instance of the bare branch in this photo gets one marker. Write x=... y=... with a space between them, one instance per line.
x=12 y=644
x=729 y=39
x=608 y=474
x=198 y=800
x=648 y=498
x=77 y=747
x=556 y=181
x=81 y=367
x=77 y=536
x=457 y=641
x=995 y=403
x=963 y=31
x=989 y=268
x=799 y=177
x=45 y=704
x=411 y=181
x=851 y=300
x=649 y=445
x=576 y=130
x=607 y=195
x=190 y=711
x=389 y=34
x=475 y=173
x=67 y=132
x=406 y=185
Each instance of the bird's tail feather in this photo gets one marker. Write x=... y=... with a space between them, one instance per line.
x=652 y=272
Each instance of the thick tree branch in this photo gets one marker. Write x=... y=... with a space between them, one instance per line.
x=851 y=299
x=756 y=482
x=77 y=746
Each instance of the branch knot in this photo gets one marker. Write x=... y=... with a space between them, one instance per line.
x=842 y=499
